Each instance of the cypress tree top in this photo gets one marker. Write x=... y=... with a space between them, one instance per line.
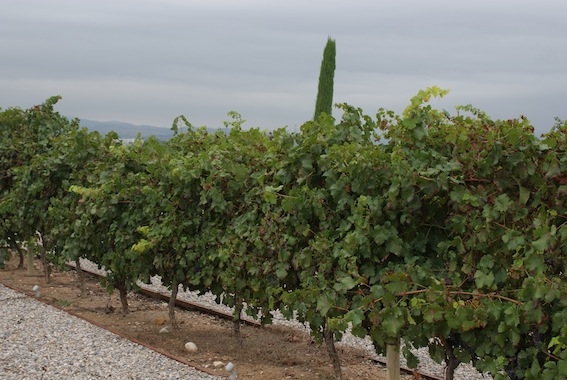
x=324 y=101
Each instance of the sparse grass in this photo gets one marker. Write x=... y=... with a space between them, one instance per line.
x=63 y=303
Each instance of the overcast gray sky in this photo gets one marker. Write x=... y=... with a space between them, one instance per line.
x=148 y=61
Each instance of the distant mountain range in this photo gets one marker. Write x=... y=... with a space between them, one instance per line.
x=127 y=130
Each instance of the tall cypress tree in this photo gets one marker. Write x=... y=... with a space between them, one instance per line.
x=324 y=104
x=324 y=101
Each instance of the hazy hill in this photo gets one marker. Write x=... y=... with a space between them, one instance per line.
x=130 y=131
x=127 y=130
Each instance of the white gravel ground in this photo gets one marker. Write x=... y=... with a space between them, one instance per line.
x=38 y=341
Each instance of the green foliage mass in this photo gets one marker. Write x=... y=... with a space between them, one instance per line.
x=447 y=231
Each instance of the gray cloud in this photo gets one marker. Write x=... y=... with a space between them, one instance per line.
x=149 y=61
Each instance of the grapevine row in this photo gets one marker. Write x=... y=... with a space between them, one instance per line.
x=444 y=231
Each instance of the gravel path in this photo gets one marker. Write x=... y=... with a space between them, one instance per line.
x=38 y=341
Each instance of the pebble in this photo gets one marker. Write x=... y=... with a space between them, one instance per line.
x=191 y=347
x=160 y=321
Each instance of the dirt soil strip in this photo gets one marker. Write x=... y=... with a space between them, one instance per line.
x=196 y=307
x=269 y=352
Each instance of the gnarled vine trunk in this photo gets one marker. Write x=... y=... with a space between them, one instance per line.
x=15 y=246
x=236 y=321
x=80 y=276
x=451 y=362
x=45 y=264
x=329 y=337
x=171 y=304
x=121 y=286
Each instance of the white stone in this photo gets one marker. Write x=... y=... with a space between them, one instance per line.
x=164 y=330
x=191 y=347
x=218 y=364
